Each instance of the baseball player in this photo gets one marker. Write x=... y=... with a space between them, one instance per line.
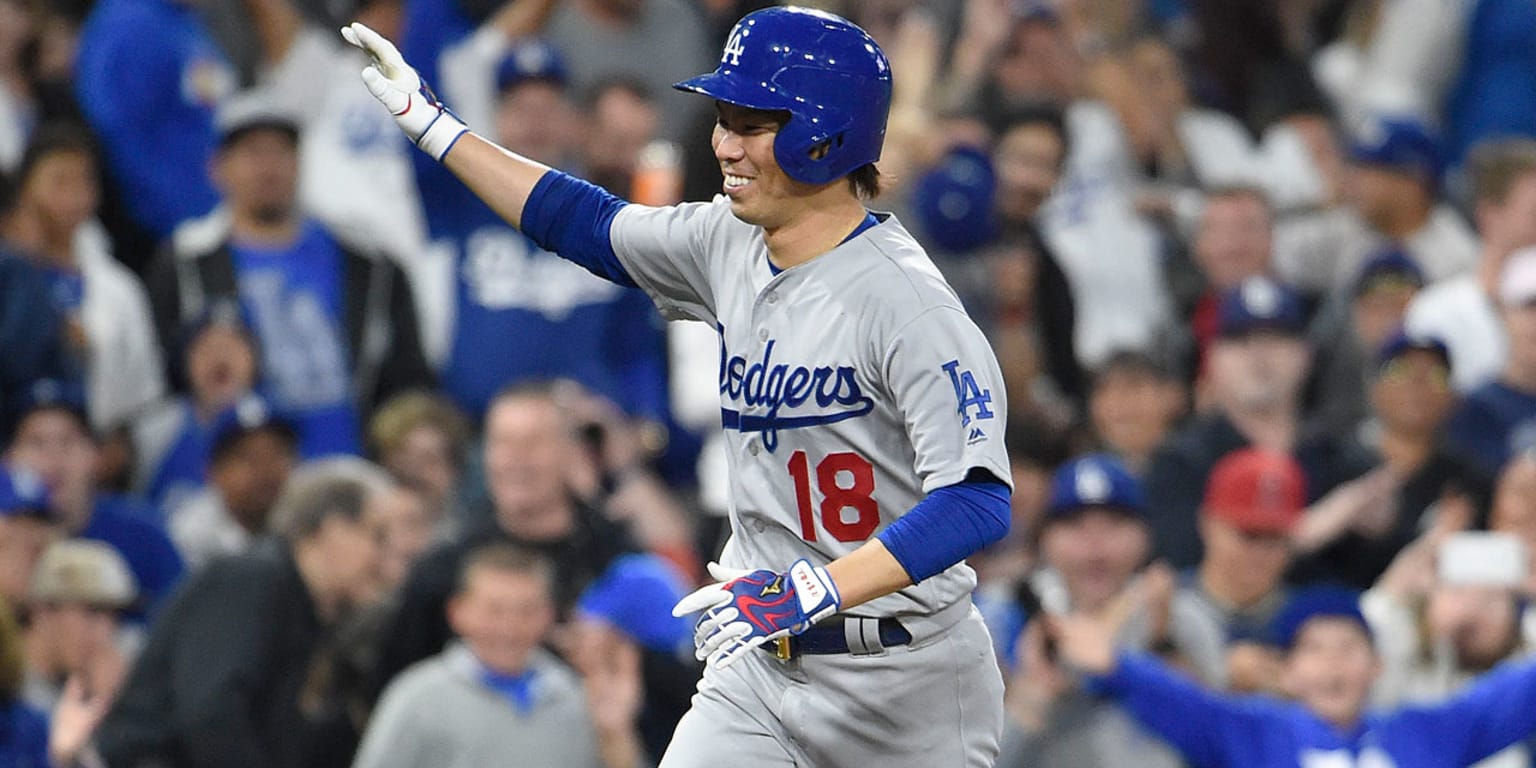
x=863 y=410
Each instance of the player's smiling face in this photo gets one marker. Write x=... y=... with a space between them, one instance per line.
x=761 y=193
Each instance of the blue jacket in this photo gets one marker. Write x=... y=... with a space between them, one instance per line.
x=1214 y=730
x=148 y=78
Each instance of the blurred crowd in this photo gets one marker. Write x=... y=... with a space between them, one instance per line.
x=309 y=459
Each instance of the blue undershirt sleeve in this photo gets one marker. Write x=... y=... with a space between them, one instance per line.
x=948 y=525
x=570 y=218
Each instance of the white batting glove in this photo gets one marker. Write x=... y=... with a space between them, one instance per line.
x=756 y=607
x=396 y=85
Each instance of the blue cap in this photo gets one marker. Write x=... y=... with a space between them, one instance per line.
x=635 y=595
x=530 y=60
x=1401 y=341
x=954 y=201
x=64 y=395
x=1390 y=265
x=249 y=414
x=22 y=493
x=1323 y=601
x=1400 y=144
x=1095 y=480
x=1260 y=304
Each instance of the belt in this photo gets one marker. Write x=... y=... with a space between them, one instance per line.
x=857 y=635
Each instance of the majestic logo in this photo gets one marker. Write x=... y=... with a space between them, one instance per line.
x=779 y=387
x=969 y=394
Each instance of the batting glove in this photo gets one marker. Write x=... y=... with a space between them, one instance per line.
x=757 y=607
x=396 y=85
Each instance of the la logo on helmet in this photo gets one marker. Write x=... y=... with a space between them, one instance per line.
x=733 y=48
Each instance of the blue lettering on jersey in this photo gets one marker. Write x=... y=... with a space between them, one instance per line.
x=834 y=390
x=969 y=394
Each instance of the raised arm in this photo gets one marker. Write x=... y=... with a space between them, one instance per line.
x=563 y=214
x=502 y=179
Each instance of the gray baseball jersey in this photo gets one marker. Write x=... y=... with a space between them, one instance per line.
x=850 y=386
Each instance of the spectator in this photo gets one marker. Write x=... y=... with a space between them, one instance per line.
x=423 y=440
x=568 y=322
x=606 y=38
x=251 y=454
x=1347 y=345
x=496 y=692
x=1025 y=57
x=1440 y=623
x=26 y=528
x=622 y=119
x=54 y=439
x=1411 y=400
x=1030 y=153
x=23 y=729
x=1133 y=405
x=219 y=364
x=1093 y=540
x=531 y=455
x=1498 y=420
x=1232 y=243
x=148 y=79
x=1463 y=310
x=231 y=673
x=74 y=622
x=106 y=311
x=336 y=327
x=1392 y=187
x=355 y=173
x=1330 y=666
x=31 y=332
x=1253 y=504
x=529 y=449
x=1257 y=365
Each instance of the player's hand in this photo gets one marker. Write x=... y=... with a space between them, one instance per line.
x=756 y=607
x=417 y=110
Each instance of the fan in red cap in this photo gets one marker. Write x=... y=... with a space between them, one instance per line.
x=1257 y=492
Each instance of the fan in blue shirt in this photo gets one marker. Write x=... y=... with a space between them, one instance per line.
x=1330 y=665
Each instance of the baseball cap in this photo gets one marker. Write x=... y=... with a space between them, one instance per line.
x=1095 y=480
x=62 y=395
x=954 y=200
x=1401 y=342
x=1517 y=284
x=1256 y=491
x=1259 y=304
x=530 y=60
x=1388 y=267
x=636 y=594
x=1398 y=143
x=248 y=415
x=22 y=493
x=223 y=313
x=1322 y=601
x=83 y=571
x=241 y=115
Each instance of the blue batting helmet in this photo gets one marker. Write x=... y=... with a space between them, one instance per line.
x=828 y=74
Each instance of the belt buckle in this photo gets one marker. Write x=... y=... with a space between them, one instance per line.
x=781 y=649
